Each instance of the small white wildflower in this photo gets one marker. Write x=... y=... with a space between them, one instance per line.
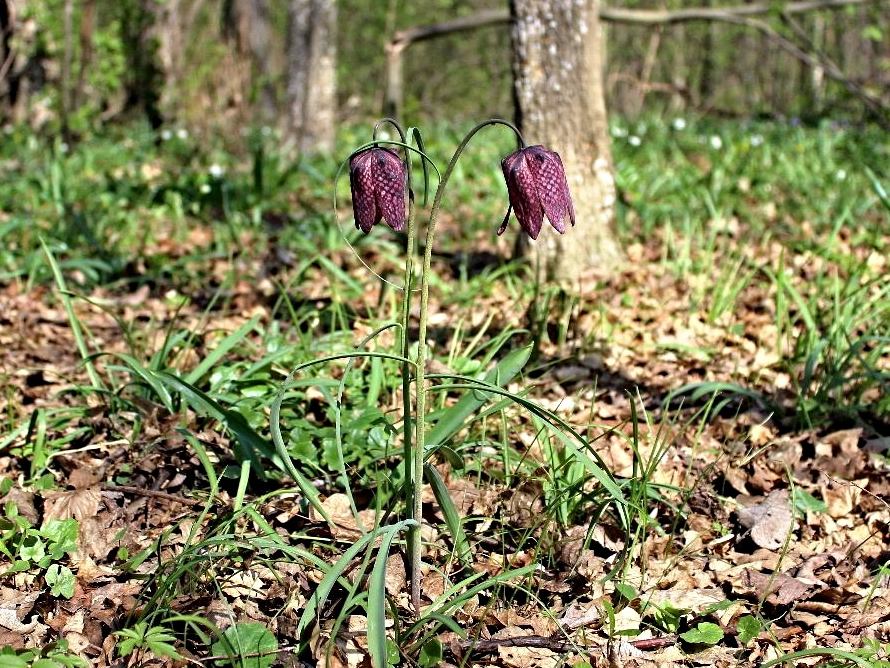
x=716 y=142
x=756 y=140
x=633 y=140
x=182 y=133
x=619 y=132
x=679 y=124
x=205 y=189
x=63 y=147
x=166 y=135
x=216 y=171
x=840 y=174
x=266 y=131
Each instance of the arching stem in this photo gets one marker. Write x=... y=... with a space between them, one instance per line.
x=414 y=536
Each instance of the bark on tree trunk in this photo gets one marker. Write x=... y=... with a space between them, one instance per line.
x=147 y=78
x=9 y=84
x=311 y=74
x=87 y=27
x=65 y=79
x=248 y=24
x=559 y=87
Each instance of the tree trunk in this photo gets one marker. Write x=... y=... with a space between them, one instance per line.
x=8 y=80
x=67 y=58
x=248 y=24
x=146 y=76
x=559 y=85
x=311 y=75
x=87 y=27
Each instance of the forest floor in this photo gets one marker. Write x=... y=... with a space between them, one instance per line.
x=731 y=376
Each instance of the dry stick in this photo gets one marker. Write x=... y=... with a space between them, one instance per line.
x=657 y=16
x=648 y=66
x=405 y=38
x=621 y=15
x=174 y=498
x=6 y=34
x=555 y=644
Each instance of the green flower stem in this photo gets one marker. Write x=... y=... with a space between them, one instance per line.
x=414 y=543
x=406 y=347
x=405 y=344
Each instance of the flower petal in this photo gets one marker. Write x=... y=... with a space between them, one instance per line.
x=391 y=186
x=553 y=187
x=361 y=182
x=523 y=192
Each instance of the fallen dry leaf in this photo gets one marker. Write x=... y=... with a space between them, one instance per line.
x=770 y=520
x=775 y=589
x=80 y=504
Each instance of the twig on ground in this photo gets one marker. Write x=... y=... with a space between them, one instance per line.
x=173 y=498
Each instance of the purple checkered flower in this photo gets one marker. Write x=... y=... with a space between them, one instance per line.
x=537 y=185
x=379 y=184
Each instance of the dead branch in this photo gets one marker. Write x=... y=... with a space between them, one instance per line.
x=660 y=17
x=739 y=15
x=403 y=38
x=555 y=644
x=488 y=17
x=153 y=494
x=874 y=105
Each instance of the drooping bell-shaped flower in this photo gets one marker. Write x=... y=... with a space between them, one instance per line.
x=537 y=185
x=379 y=183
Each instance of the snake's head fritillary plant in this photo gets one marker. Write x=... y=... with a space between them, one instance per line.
x=537 y=186
x=380 y=181
x=379 y=184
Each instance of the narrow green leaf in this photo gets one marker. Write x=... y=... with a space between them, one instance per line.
x=224 y=346
x=248 y=444
x=377 y=602
x=452 y=518
x=150 y=379
x=452 y=419
x=73 y=322
x=879 y=189
x=318 y=598
x=451 y=599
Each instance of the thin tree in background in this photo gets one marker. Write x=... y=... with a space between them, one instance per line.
x=146 y=77
x=250 y=22
x=87 y=28
x=558 y=69
x=7 y=55
x=311 y=75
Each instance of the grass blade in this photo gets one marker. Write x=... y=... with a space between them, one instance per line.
x=150 y=379
x=76 y=331
x=377 y=600
x=220 y=351
x=320 y=595
x=452 y=517
x=819 y=651
x=248 y=444
x=452 y=419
